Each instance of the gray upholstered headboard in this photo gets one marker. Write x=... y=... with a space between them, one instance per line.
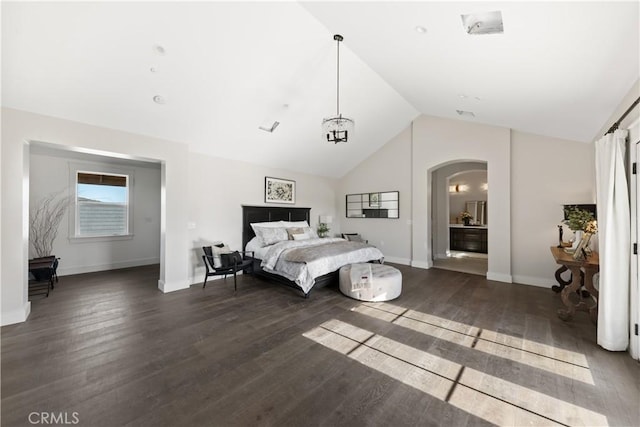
x=251 y=214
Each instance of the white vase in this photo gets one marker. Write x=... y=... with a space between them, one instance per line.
x=578 y=236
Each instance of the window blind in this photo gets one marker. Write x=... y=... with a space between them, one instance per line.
x=99 y=179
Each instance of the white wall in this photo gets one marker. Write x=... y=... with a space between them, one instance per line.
x=388 y=169
x=438 y=142
x=530 y=178
x=18 y=129
x=219 y=187
x=200 y=200
x=50 y=174
x=546 y=173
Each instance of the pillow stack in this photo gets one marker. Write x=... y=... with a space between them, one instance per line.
x=269 y=233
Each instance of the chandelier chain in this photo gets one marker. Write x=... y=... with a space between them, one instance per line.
x=338 y=79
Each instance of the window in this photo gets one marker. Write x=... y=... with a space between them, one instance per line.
x=102 y=204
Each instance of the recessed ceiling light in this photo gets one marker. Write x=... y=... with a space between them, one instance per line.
x=159 y=99
x=420 y=29
x=465 y=113
x=159 y=49
x=462 y=96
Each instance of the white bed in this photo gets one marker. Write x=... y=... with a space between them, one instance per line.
x=290 y=252
x=303 y=267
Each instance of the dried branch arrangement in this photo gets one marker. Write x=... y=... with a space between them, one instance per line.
x=44 y=222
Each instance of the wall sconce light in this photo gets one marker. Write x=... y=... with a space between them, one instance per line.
x=458 y=188
x=485 y=186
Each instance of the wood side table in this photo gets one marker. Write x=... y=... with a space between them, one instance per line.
x=571 y=296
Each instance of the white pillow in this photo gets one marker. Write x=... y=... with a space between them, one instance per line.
x=254 y=244
x=217 y=263
x=293 y=224
x=276 y=237
x=302 y=236
x=294 y=230
x=271 y=235
x=274 y=224
x=257 y=226
x=311 y=232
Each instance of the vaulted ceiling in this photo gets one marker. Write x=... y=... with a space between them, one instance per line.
x=224 y=69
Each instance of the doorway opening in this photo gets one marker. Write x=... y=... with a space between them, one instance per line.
x=460 y=217
x=115 y=226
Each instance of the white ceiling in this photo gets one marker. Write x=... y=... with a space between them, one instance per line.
x=560 y=69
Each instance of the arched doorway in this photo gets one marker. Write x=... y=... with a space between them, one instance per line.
x=456 y=188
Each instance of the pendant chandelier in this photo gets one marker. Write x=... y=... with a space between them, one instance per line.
x=337 y=128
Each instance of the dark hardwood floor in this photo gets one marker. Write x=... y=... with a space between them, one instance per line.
x=455 y=349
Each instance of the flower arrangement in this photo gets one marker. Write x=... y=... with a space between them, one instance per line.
x=464 y=215
x=578 y=219
x=591 y=227
x=323 y=229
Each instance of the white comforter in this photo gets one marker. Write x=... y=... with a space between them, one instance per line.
x=304 y=274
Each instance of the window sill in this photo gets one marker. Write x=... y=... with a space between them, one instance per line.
x=92 y=239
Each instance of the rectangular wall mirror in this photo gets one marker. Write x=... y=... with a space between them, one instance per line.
x=478 y=211
x=373 y=205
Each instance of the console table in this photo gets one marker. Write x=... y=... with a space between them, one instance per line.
x=571 y=296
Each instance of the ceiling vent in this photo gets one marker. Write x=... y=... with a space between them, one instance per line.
x=269 y=129
x=483 y=23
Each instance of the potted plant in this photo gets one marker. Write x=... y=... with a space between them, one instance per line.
x=466 y=217
x=579 y=221
x=323 y=229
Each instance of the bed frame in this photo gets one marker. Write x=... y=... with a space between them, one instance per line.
x=251 y=214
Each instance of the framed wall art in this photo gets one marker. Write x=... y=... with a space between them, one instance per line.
x=278 y=190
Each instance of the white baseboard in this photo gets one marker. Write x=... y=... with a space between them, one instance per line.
x=403 y=261
x=172 y=286
x=441 y=256
x=543 y=282
x=16 y=316
x=422 y=264
x=499 y=277
x=62 y=271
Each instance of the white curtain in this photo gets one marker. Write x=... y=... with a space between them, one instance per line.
x=614 y=242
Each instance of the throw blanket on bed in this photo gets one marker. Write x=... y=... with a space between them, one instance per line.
x=314 y=253
x=328 y=259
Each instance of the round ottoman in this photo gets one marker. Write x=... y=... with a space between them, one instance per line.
x=370 y=282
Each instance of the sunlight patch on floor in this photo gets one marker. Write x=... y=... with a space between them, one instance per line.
x=541 y=356
x=488 y=397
